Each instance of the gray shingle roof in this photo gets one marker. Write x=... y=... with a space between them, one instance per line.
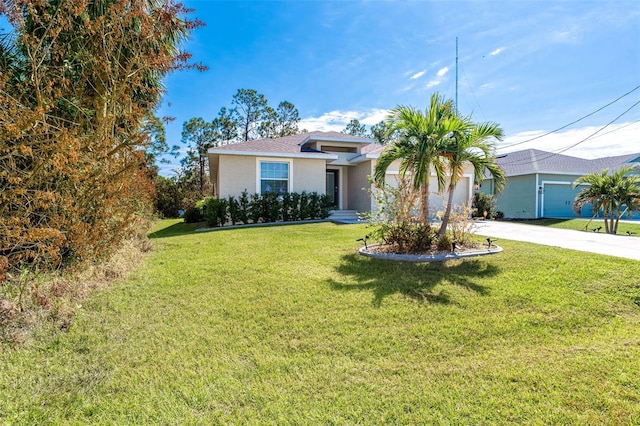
x=287 y=144
x=536 y=161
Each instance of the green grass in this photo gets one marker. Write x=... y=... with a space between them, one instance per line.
x=287 y=325
x=580 y=224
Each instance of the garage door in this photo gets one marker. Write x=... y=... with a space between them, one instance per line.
x=558 y=201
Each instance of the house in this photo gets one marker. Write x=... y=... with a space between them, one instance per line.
x=331 y=163
x=539 y=183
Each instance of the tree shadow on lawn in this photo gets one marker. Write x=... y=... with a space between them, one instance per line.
x=415 y=280
x=177 y=229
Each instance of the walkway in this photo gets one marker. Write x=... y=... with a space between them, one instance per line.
x=600 y=243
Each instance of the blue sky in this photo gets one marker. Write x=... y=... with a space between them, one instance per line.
x=531 y=66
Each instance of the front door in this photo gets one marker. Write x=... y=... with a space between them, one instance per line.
x=332 y=187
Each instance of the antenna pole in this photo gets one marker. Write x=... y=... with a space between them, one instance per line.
x=456 y=74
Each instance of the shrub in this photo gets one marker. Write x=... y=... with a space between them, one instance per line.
x=325 y=206
x=462 y=226
x=445 y=243
x=408 y=238
x=305 y=211
x=255 y=208
x=244 y=207
x=287 y=207
x=294 y=213
x=234 y=210
x=484 y=203
x=266 y=208
x=193 y=215
x=215 y=211
x=314 y=205
x=270 y=207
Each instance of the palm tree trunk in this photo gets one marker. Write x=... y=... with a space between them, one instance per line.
x=447 y=213
x=425 y=203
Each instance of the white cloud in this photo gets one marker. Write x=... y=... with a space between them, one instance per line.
x=497 y=51
x=417 y=75
x=616 y=139
x=438 y=79
x=336 y=121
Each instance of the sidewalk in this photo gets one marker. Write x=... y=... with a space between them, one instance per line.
x=593 y=242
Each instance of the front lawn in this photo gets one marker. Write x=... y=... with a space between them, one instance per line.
x=287 y=325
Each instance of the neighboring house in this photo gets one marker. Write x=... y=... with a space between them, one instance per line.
x=539 y=183
x=331 y=163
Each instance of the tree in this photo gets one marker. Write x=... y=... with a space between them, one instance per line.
x=199 y=136
x=168 y=197
x=382 y=134
x=248 y=111
x=78 y=80
x=419 y=147
x=267 y=128
x=470 y=143
x=225 y=126
x=287 y=119
x=156 y=145
x=354 y=128
x=614 y=194
x=283 y=121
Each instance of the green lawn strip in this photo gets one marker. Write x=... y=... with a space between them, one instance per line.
x=580 y=224
x=286 y=325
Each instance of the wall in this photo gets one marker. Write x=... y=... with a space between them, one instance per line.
x=518 y=199
x=360 y=199
x=309 y=175
x=235 y=174
x=238 y=172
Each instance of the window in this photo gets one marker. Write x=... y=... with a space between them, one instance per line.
x=274 y=177
x=349 y=149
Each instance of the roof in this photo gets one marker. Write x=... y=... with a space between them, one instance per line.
x=294 y=144
x=531 y=161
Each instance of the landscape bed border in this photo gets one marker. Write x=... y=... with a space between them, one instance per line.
x=419 y=258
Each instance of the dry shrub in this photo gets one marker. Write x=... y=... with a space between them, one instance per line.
x=462 y=225
x=4 y=268
x=55 y=297
x=8 y=311
x=76 y=83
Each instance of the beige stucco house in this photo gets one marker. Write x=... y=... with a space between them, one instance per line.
x=331 y=163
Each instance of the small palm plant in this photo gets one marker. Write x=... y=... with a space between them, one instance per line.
x=614 y=194
x=419 y=145
x=473 y=144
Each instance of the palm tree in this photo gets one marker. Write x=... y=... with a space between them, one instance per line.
x=471 y=143
x=418 y=145
x=615 y=194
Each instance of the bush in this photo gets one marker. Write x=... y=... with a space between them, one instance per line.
x=325 y=206
x=408 y=238
x=484 y=203
x=193 y=215
x=244 y=207
x=266 y=208
x=270 y=207
x=305 y=211
x=215 y=211
x=234 y=210
x=255 y=208
x=445 y=243
x=294 y=213
x=287 y=207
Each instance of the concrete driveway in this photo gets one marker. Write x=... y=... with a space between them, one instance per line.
x=593 y=242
